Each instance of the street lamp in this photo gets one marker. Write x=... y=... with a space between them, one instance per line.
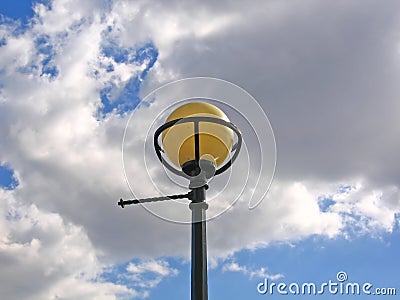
x=199 y=142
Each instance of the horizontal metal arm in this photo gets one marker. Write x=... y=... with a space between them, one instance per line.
x=122 y=203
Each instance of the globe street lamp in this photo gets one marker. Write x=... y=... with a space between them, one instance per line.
x=199 y=142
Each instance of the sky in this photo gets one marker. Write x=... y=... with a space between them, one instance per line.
x=316 y=79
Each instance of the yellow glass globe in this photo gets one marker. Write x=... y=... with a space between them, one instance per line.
x=215 y=140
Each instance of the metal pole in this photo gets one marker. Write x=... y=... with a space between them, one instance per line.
x=199 y=288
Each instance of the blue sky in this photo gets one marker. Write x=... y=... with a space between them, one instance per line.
x=7 y=178
x=21 y=10
x=69 y=82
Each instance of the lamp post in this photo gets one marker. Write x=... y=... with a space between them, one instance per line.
x=199 y=142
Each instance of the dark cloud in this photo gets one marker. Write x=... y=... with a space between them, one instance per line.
x=325 y=73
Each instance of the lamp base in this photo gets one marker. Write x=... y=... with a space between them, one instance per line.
x=200 y=172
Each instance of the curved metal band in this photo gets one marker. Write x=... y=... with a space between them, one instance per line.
x=236 y=147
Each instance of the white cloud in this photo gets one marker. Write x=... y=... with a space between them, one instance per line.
x=167 y=25
x=290 y=212
x=159 y=267
x=366 y=208
x=64 y=14
x=258 y=273
x=43 y=257
x=149 y=273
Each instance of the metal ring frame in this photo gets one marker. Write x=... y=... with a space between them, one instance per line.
x=196 y=120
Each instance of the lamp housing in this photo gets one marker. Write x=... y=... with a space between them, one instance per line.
x=197 y=138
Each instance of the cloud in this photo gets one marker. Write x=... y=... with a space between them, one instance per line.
x=167 y=24
x=157 y=267
x=259 y=273
x=366 y=208
x=157 y=270
x=289 y=213
x=42 y=256
x=325 y=74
